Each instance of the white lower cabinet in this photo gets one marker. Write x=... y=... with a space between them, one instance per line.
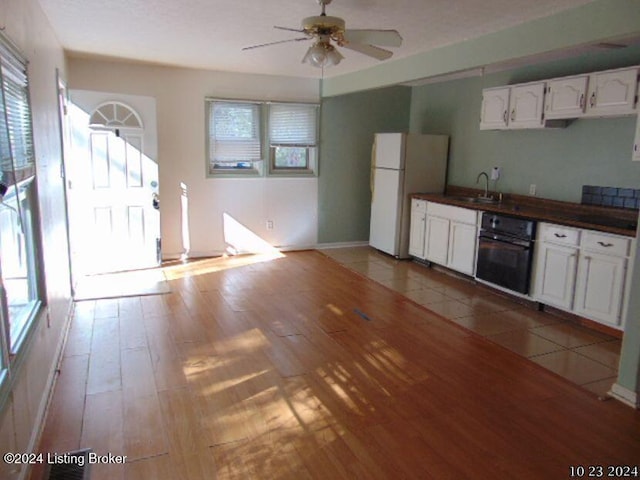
x=462 y=247
x=450 y=237
x=599 y=287
x=602 y=270
x=436 y=242
x=582 y=271
x=555 y=274
x=418 y=227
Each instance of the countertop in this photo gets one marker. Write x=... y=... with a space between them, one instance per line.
x=610 y=220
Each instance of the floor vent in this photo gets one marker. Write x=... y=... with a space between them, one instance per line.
x=69 y=466
x=362 y=314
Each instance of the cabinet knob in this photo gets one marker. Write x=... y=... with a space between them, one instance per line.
x=605 y=244
x=513 y=114
x=592 y=100
x=504 y=117
x=582 y=100
x=560 y=235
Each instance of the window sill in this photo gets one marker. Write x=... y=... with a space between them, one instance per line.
x=27 y=322
x=292 y=172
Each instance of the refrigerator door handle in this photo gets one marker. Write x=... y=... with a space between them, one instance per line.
x=373 y=167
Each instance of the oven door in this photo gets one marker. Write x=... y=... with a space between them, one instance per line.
x=505 y=261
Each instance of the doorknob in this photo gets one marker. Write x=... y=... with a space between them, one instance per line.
x=155 y=201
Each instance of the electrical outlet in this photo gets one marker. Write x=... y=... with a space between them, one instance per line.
x=532 y=189
x=495 y=173
x=269 y=224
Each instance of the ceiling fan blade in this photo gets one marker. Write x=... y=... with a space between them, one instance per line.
x=370 y=50
x=299 y=30
x=386 y=38
x=275 y=43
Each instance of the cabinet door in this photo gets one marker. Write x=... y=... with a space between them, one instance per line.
x=555 y=275
x=416 y=233
x=526 y=103
x=600 y=287
x=612 y=92
x=494 y=111
x=565 y=97
x=437 y=240
x=462 y=247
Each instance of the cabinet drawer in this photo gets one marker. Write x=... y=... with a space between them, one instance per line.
x=606 y=244
x=457 y=214
x=558 y=234
x=418 y=205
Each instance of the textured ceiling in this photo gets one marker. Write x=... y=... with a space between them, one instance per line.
x=210 y=34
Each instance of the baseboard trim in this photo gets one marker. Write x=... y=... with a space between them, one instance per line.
x=168 y=257
x=624 y=395
x=328 y=246
x=45 y=402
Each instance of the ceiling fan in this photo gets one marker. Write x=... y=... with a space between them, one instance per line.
x=323 y=29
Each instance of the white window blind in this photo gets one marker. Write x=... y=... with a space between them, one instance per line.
x=16 y=140
x=234 y=131
x=292 y=125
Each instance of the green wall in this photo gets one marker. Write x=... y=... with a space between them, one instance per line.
x=557 y=161
x=348 y=124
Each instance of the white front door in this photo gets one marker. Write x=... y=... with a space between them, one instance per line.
x=111 y=184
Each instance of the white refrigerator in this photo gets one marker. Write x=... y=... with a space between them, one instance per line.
x=402 y=164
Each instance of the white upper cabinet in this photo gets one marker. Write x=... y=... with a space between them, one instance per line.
x=494 y=112
x=612 y=92
x=636 y=141
x=526 y=103
x=518 y=106
x=566 y=97
x=547 y=103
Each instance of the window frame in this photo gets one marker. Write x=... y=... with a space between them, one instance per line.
x=311 y=149
x=257 y=168
x=265 y=167
x=17 y=327
x=20 y=180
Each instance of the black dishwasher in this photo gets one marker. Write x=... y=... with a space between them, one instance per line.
x=505 y=251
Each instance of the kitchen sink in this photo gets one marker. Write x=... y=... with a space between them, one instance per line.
x=488 y=200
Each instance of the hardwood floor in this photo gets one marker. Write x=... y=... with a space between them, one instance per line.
x=295 y=367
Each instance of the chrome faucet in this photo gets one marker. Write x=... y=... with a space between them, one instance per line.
x=486 y=186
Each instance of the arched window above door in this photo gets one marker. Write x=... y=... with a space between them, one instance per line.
x=113 y=115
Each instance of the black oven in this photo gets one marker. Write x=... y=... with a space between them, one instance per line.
x=505 y=251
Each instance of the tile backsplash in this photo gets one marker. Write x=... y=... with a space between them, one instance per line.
x=611 y=196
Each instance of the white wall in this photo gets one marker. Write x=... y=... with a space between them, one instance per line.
x=291 y=203
x=20 y=418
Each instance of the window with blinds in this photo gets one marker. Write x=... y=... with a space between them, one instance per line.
x=292 y=138
x=20 y=295
x=234 y=137
x=16 y=140
x=237 y=132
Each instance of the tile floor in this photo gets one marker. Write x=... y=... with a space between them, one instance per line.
x=582 y=356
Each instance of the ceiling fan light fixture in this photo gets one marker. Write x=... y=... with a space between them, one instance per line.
x=333 y=56
x=325 y=30
x=322 y=54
